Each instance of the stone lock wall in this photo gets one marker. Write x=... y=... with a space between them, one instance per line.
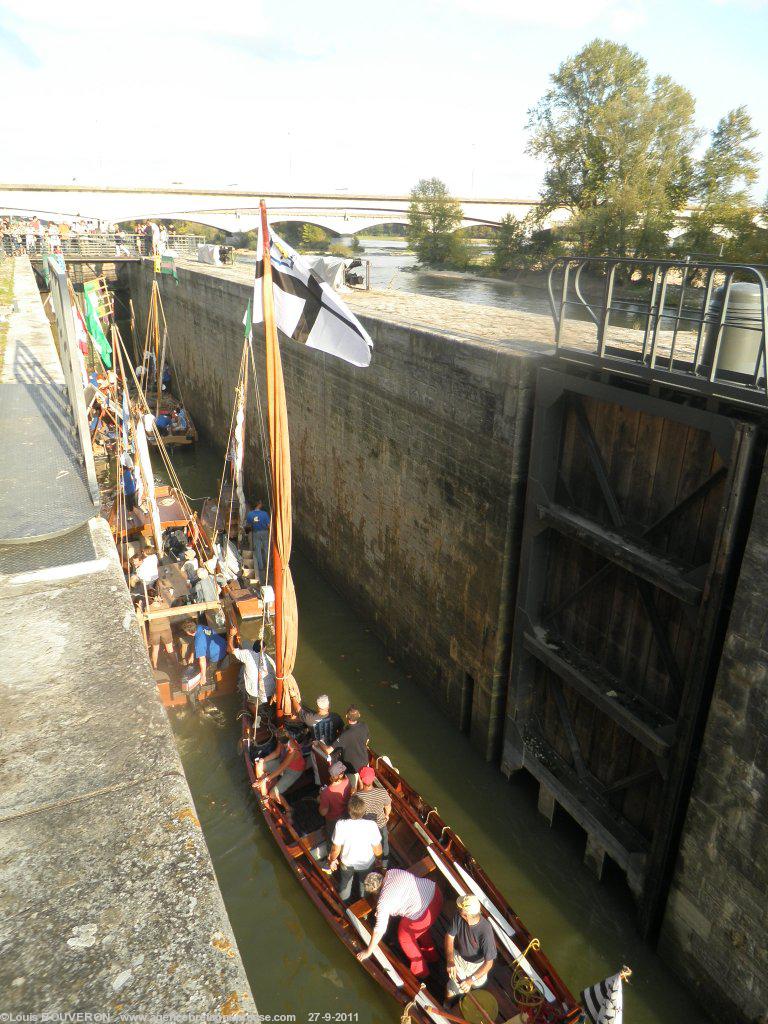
x=408 y=478
x=714 y=931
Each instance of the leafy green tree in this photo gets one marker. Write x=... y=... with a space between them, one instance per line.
x=509 y=244
x=313 y=237
x=617 y=146
x=723 y=220
x=433 y=217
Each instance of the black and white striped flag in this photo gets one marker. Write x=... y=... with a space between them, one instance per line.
x=603 y=1002
x=306 y=309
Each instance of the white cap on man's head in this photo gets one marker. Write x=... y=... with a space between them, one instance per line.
x=469 y=903
x=323 y=701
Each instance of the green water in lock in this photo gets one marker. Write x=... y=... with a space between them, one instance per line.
x=294 y=962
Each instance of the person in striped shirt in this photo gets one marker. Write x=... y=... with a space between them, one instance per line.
x=417 y=902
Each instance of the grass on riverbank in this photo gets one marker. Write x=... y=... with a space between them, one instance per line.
x=6 y=298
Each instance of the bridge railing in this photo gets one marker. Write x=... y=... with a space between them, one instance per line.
x=102 y=246
x=700 y=327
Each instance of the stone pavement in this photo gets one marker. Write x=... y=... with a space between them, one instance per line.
x=108 y=898
x=43 y=485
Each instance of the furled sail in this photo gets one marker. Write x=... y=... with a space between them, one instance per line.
x=239 y=439
x=308 y=311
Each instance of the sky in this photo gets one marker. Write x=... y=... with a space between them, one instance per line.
x=305 y=96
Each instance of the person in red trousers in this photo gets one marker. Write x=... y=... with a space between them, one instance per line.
x=417 y=902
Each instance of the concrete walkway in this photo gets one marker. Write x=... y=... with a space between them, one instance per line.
x=108 y=899
x=43 y=486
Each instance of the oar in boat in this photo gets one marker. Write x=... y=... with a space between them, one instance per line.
x=378 y=954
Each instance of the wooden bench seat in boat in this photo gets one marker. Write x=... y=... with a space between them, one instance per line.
x=422 y=867
x=361 y=909
x=313 y=840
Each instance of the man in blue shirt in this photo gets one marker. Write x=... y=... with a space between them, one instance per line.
x=163 y=423
x=130 y=486
x=178 y=421
x=258 y=521
x=210 y=646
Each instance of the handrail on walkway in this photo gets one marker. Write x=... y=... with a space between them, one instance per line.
x=101 y=245
x=699 y=326
x=71 y=363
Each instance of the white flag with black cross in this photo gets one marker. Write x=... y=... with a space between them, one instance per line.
x=306 y=309
x=603 y=1002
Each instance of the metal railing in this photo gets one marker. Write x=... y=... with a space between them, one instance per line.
x=687 y=324
x=102 y=246
x=71 y=365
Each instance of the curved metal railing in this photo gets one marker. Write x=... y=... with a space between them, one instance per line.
x=679 y=322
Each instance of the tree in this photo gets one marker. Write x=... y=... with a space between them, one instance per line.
x=313 y=237
x=725 y=211
x=433 y=217
x=617 y=146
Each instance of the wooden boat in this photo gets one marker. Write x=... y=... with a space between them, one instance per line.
x=524 y=985
x=523 y=982
x=222 y=513
x=153 y=363
x=164 y=525
x=175 y=438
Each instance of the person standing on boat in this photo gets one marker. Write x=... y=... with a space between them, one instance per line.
x=159 y=629
x=324 y=723
x=417 y=902
x=334 y=798
x=210 y=648
x=378 y=807
x=356 y=845
x=283 y=768
x=130 y=487
x=146 y=569
x=258 y=521
x=259 y=678
x=470 y=948
x=352 y=744
x=190 y=565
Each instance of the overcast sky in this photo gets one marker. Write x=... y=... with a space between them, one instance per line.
x=360 y=96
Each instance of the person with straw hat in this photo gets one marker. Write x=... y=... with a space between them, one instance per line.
x=470 y=948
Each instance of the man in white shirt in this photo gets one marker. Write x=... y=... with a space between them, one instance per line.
x=258 y=671
x=146 y=570
x=356 y=845
x=417 y=902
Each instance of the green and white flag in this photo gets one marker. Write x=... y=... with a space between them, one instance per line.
x=247 y=322
x=92 y=322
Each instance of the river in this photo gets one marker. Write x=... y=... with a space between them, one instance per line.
x=294 y=962
x=392 y=269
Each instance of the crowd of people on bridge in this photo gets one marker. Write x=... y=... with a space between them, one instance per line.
x=33 y=236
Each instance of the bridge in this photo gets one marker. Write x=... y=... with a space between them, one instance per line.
x=346 y=213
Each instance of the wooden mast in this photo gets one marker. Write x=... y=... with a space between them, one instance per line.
x=273 y=355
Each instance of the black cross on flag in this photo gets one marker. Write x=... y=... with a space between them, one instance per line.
x=308 y=310
x=603 y=1002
